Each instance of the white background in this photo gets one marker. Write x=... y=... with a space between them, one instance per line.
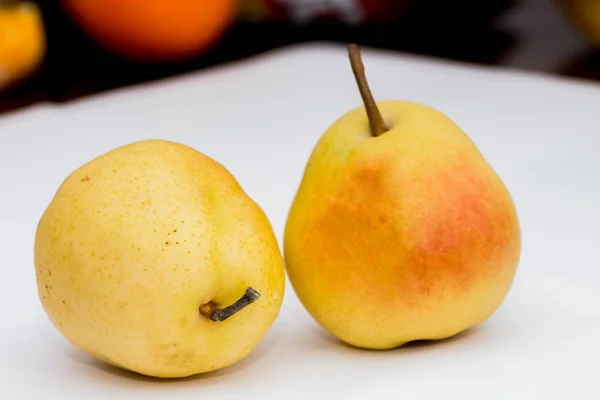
x=261 y=119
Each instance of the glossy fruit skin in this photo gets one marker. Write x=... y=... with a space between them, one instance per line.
x=407 y=236
x=154 y=30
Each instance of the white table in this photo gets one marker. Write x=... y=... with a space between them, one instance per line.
x=541 y=134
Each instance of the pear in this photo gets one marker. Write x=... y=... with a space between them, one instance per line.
x=152 y=258
x=400 y=230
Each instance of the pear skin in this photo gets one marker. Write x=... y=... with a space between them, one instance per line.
x=152 y=258
x=400 y=230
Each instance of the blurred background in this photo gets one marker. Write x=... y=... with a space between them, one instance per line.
x=59 y=50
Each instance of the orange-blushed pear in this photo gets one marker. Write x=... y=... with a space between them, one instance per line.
x=400 y=230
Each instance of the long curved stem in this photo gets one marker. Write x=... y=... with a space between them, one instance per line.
x=376 y=122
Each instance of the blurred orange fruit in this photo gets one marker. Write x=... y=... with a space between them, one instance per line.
x=153 y=30
x=22 y=42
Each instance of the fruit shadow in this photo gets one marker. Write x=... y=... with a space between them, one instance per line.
x=411 y=347
x=97 y=365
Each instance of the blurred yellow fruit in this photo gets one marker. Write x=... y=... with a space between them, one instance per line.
x=22 y=41
x=585 y=17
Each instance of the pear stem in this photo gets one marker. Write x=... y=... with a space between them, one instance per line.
x=211 y=311
x=376 y=122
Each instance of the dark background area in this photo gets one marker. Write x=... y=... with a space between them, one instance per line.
x=463 y=30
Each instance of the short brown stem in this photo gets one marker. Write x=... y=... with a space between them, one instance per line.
x=376 y=122
x=216 y=314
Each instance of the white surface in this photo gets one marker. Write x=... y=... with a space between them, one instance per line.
x=541 y=135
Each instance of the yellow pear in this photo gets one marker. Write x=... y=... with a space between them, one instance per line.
x=152 y=258
x=400 y=230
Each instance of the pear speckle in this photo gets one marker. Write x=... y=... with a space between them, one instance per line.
x=132 y=270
